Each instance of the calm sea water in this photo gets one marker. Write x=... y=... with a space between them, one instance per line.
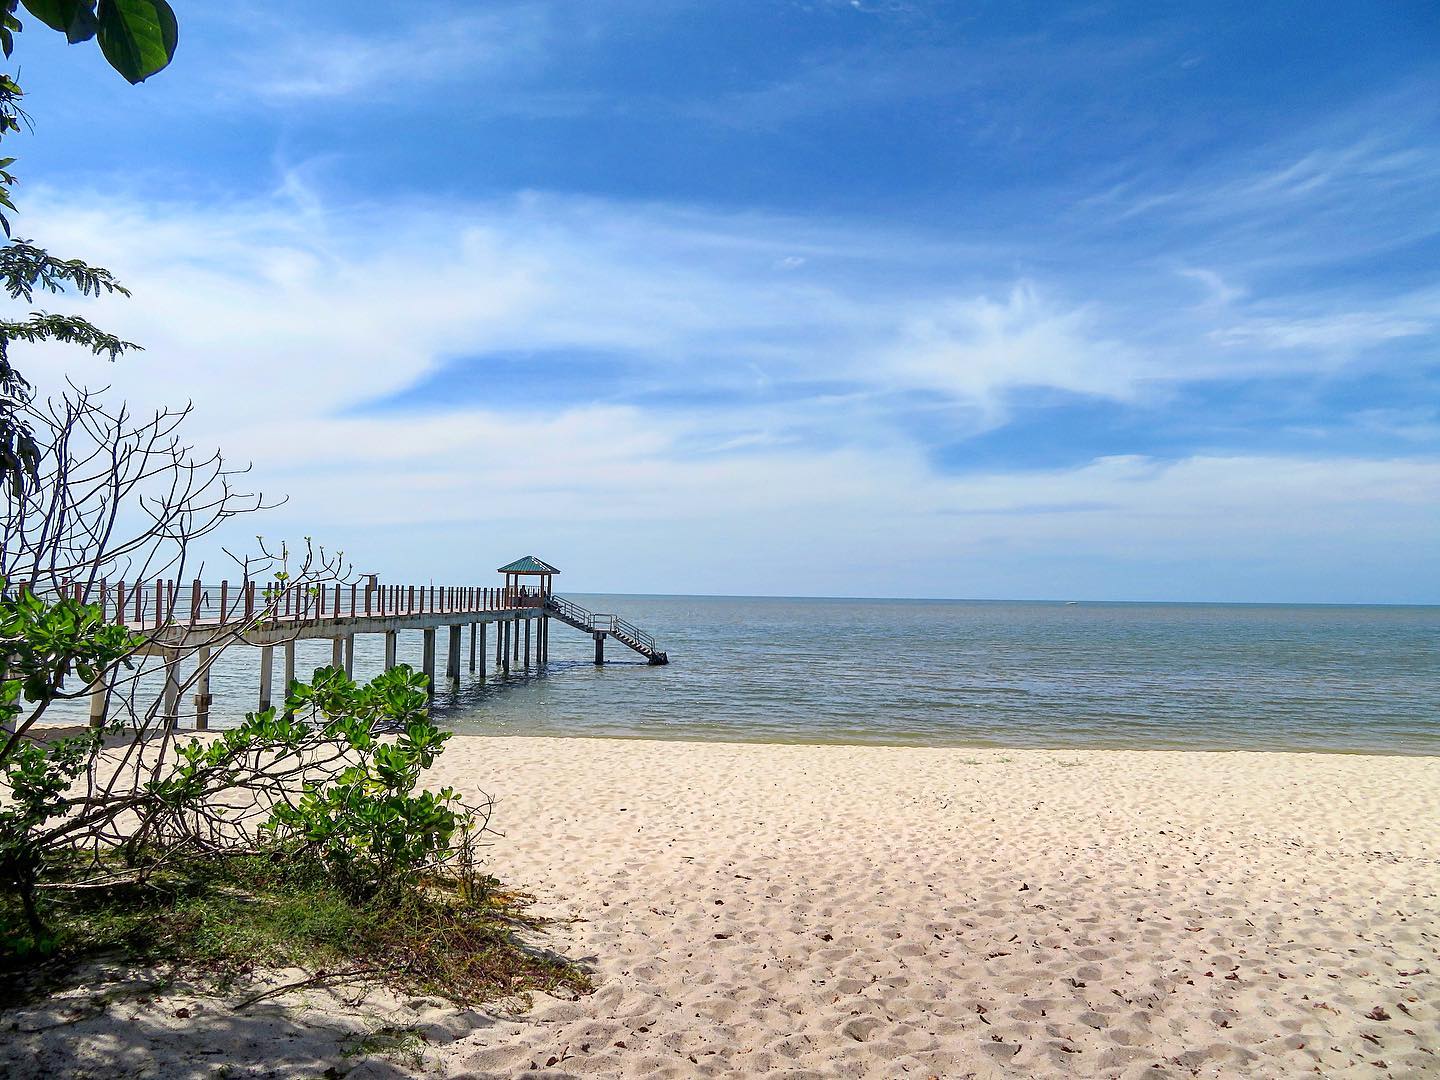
x=963 y=673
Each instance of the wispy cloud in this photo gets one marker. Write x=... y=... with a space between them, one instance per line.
x=439 y=45
x=1344 y=332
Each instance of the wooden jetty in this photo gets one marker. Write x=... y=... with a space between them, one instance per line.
x=275 y=614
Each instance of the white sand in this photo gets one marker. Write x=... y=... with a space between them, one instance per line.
x=863 y=911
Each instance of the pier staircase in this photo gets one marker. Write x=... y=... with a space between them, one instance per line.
x=591 y=622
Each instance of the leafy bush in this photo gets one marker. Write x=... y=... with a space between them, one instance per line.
x=37 y=775
x=43 y=642
x=331 y=777
x=369 y=824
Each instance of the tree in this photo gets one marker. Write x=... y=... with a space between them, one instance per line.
x=138 y=38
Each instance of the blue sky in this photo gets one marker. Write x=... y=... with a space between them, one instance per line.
x=868 y=298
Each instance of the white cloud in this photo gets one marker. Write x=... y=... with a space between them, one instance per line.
x=1343 y=331
x=1218 y=291
x=443 y=44
x=979 y=348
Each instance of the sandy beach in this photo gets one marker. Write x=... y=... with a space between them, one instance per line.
x=870 y=911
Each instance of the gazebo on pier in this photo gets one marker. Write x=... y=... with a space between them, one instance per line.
x=518 y=595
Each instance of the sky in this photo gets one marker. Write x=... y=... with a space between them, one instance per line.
x=868 y=298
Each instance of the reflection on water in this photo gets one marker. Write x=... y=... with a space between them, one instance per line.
x=961 y=673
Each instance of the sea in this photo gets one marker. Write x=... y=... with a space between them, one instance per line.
x=955 y=673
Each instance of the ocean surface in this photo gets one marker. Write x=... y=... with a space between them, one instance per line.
x=957 y=673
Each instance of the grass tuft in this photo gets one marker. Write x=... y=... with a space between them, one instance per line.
x=226 y=918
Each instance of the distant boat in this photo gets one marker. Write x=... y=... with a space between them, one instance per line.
x=1069 y=603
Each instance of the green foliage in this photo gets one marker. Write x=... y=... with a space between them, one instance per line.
x=24 y=267
x=45 y=640
x=37 y=777
x=329 y=794
x=137 y=37
x=369 y=824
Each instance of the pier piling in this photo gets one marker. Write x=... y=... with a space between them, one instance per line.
x=267 y=674
x=99 y=700
x=452 y=657
x=170 y=701
x=428 y=657
x=202 y=689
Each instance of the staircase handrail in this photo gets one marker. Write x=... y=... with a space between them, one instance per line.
x=623 y=626
x=572 y=610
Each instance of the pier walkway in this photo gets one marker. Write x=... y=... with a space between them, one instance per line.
x=200 y=618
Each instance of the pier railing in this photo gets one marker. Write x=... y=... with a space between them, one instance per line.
x=162 y=602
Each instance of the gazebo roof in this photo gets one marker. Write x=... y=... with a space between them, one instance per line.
x=528 y=565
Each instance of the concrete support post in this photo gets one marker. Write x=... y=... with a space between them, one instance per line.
x=545 y=639
x=337 y=652
x=171 y=696
x=289 y=664
x=99 y=700
x=350 y=655
x=474 y=629
x=514 y=642
x=482 y=627
x=527 y=641
x=267 y=674
x=506 y=629
x=428 y=657
x=452 y=656
x=202 y=688
x=499 y=644
x=391 y=640
x=599 y=646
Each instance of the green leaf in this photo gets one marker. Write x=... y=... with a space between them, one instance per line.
x=138 y=37
x=74 y=18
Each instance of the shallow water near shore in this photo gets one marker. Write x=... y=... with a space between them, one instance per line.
x=956 y=673
x=1188 y=676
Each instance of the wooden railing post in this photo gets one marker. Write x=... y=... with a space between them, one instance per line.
x=225 y=600
x=195 y=601
x=120 y=602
